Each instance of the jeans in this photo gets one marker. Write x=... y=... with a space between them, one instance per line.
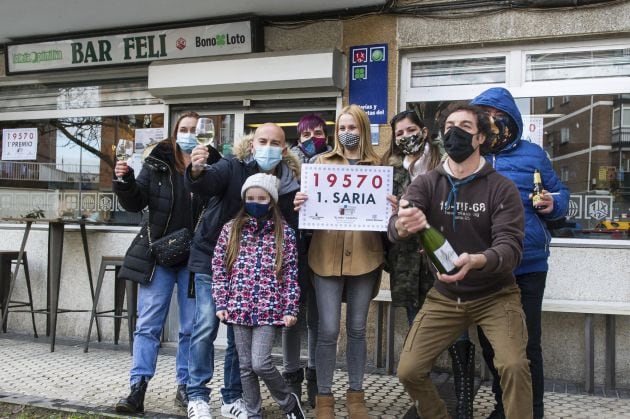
x=291 y=336
x=254 y=350
x=153 y=302
x=201 y=361
x=532 y=287
x=358 y=296
x=440 y=321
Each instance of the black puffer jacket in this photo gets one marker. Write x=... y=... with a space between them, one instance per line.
x=161 y=188
x=222 y=183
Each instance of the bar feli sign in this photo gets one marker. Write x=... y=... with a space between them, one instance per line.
x=132 y=48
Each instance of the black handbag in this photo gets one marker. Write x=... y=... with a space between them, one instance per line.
x=173 y=249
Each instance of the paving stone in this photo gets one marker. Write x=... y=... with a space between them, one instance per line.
x=70 y=379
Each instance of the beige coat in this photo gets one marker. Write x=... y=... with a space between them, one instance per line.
x=339 y=253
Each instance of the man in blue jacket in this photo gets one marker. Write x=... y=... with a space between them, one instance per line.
x=517 y=160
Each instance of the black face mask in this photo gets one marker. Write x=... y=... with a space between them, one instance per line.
x=458 y=144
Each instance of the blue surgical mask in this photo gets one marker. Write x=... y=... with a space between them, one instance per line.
x=267 y=157
x=256 y=209
x=186 y=141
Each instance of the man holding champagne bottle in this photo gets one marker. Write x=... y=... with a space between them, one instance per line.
x=480 y=215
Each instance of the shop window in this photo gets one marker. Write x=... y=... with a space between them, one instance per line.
x=465 y=71
x=66 y=167
x=588 y=155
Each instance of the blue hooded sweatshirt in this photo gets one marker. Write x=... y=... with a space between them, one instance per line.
x=517 y=161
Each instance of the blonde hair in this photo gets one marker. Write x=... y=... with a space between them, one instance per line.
x=366 y=150
x=236 y=232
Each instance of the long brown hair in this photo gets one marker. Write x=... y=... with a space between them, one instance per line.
x=180 y=166
x=394 y=151
x=366 y=150
x=234 y=243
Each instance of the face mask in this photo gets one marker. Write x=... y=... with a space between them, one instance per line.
x=256 y=209
x=349 y=139
x=410 y=145
x=458 y=144
x=501 y=133
x=267 y=157
x=186 y=141
x=313 y=146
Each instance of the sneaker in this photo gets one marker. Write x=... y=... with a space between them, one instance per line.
x=234 y=410
x=199 y=409
x=181 y=398
x=296 y=412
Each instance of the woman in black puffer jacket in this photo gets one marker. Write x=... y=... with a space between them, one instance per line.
x=160 y=187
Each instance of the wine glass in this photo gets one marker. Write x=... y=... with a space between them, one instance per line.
x=124 y=150
x=205 y=134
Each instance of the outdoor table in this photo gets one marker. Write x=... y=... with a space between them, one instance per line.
x=56 y=230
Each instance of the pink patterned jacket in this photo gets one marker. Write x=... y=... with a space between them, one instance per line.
x=250 y=291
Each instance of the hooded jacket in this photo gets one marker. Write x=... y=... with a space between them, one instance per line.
x=517 y=161
x=160 y=188
x=486 y=218
x=221 y=186
x=251 y=291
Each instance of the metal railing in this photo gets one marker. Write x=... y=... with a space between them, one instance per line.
x=48 y=172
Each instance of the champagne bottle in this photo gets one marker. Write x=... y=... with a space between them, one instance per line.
x=439 y=250
x=537 y=191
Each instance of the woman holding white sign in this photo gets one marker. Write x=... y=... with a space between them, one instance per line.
x=344 y=259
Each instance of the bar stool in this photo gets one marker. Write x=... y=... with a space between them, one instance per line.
x=9 y=258
x=113 y=264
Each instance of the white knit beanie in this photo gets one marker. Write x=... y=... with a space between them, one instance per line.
x=269 y=183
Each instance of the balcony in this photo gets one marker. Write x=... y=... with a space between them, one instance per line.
x=620 y=137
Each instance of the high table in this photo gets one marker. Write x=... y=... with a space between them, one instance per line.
x=56 y=230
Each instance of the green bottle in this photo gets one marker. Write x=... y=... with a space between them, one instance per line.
x=439 y=250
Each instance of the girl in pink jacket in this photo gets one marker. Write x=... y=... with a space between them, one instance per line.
x=255 y=288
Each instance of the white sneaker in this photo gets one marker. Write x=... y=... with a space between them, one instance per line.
x=234 y=410
x=199 y=409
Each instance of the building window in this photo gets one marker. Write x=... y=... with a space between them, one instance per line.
x=565 y=100
x=590 y=63
x=549 y=103
x=564 y=174
x=564 y=135
x=465 y=71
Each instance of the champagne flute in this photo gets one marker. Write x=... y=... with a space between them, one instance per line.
x=124 y=150
x=205 y=135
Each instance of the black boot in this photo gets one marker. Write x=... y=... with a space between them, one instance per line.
x=463 y=359
x=181 y=398
x=311 y=385
x=134 y=402
x=412 y=413
x=294 y=381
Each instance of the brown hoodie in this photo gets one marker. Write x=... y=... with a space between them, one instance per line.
x=483 y=214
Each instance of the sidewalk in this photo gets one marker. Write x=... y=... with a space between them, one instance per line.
x=71 y=380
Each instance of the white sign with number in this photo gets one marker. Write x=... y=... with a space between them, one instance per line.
x=346 y=197
x=533 y=129
x=19 y=144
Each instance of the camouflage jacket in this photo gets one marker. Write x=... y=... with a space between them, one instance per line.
x=409 y=273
